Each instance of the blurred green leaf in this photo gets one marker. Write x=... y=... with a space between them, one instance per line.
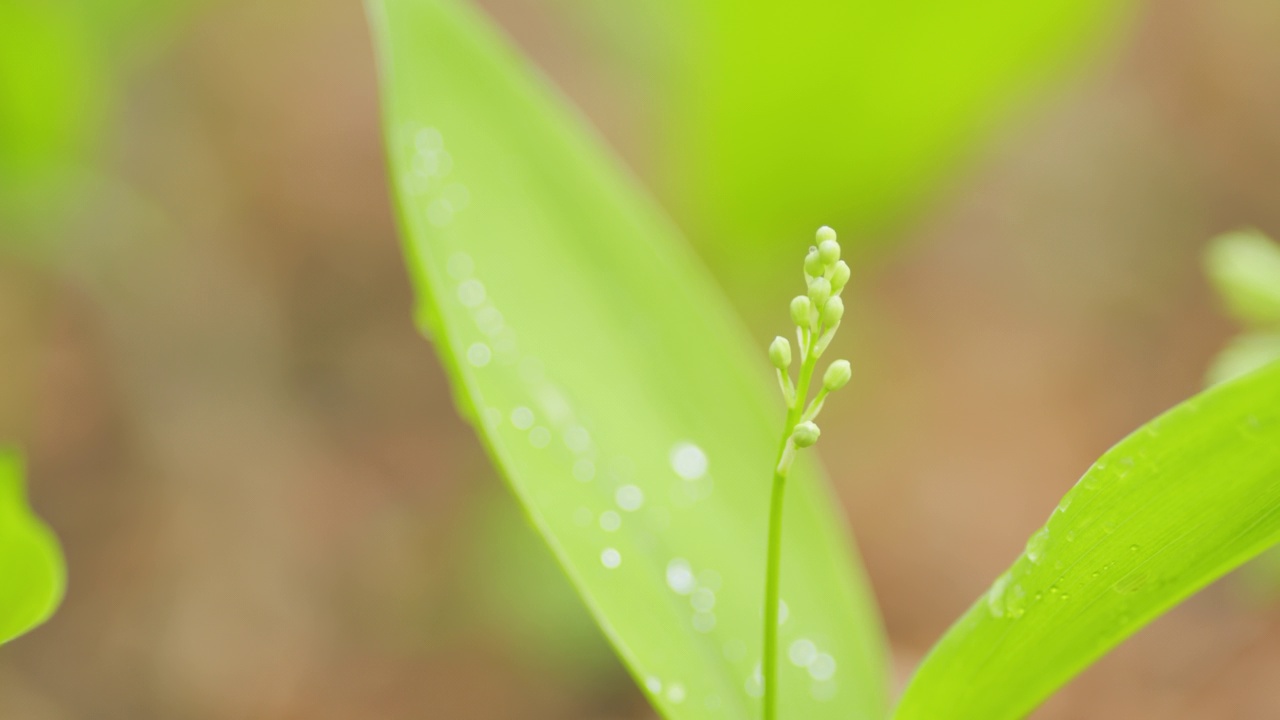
x=792 y=114
x=1191 y=495
x=51 y=96
x=30 y=559
x=1245 y=268
x=1243 y=355
x=612 y=384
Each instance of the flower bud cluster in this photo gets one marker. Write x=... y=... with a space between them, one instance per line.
x=816 y=315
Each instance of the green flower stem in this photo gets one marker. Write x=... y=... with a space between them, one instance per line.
x=769 y=661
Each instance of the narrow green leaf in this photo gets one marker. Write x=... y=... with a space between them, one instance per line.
x=30 y=559
x=612 y=384
x=1245 y=267
x=1172 y=507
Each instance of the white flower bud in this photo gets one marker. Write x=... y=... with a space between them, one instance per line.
x=801 y=307
x=832 y=312
x=829 y=252
x=824 y=234
x=839 y=276
x=780 y=353
x=813 y=266
x=837 y=375
x=805 y=434
x=819 y=291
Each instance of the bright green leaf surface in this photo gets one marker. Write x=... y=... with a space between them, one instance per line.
x=613 y=386
x=1245 y=267
x=1188 y=497
x=30 y=560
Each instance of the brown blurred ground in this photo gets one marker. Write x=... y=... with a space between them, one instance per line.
x=270 y=510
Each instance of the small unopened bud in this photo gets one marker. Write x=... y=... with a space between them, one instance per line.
x=837 y=375
x=801 y=307
x=813 y=266
x=829 y=252
x=832 y=312
x=805 y=434
x=839 y=276
x=824 y=234
x=819 y=291
x=780 y=353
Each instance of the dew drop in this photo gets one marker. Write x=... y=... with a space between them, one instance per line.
x=1133 y=548
x=1036 y=545
x=680 y=576
x=653 y=684
x=1016 y=601
x=428 y=139
x=458 y=196
x=489 y=320
x=703 y=600
x=479 y=354
x=539 y=437
x=522 y=418
x=577 y=439
x=439 y=212
x=584 y=470
x=688 y=461
x=471 y=293
x=802 y=652
x=783 y=611
x=704 y=622
x=675 y=693
x=755 y=684
x=629 y=497
x=995 y=596
x=610 y=558
x=460 y=266
x=610 y=521
x=823 y=667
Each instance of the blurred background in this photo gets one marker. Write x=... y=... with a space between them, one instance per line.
x=268 y=505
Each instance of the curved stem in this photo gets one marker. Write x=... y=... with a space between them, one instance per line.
x=773 y=562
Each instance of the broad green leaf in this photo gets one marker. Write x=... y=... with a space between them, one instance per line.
x=612 y=384
x=1245 y=267
x=1172 y=507
x=30 y=559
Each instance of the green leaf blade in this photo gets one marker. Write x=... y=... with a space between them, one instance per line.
x=1245 y=267
x=612 y=384
x=1169 y=509
x=30 y=559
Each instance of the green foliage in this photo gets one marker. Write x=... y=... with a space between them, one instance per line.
x=30 y=560
x=1186 y=498
x=628 y=411
x=791 y=114
x=612 y=384
x=1245 y=268
x=51 y=88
